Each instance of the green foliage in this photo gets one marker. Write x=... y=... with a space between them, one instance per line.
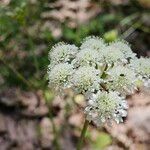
x=48 y=96
x=102 y=141
x=111 y=35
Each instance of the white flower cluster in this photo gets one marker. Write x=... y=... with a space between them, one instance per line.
x=86 y=79
x=124 y=47
x=103 y=73
x=141 y=66
x=94 y=43
x=105 y=107
x=62 y=53
x=87 y=57
x=59 y=75
x=121 y=79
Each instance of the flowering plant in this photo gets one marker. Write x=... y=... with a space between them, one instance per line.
x=103 y=73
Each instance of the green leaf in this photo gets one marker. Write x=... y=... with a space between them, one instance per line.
x=102 y=141
x=111 y=35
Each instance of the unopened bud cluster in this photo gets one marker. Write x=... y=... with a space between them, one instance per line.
x=103 y=73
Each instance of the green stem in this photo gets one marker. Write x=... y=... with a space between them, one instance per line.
x=83 y=132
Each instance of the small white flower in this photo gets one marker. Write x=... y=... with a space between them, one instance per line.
x=121 y=79
x=106 y=107
x=59 y=75
x=113 y=56
x=141 y=66
x=124 y=47
x=85 y=79
x=62 y=53
x=94 y=43
x=87 y=57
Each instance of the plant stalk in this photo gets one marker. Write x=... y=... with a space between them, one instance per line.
x=83 y=132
